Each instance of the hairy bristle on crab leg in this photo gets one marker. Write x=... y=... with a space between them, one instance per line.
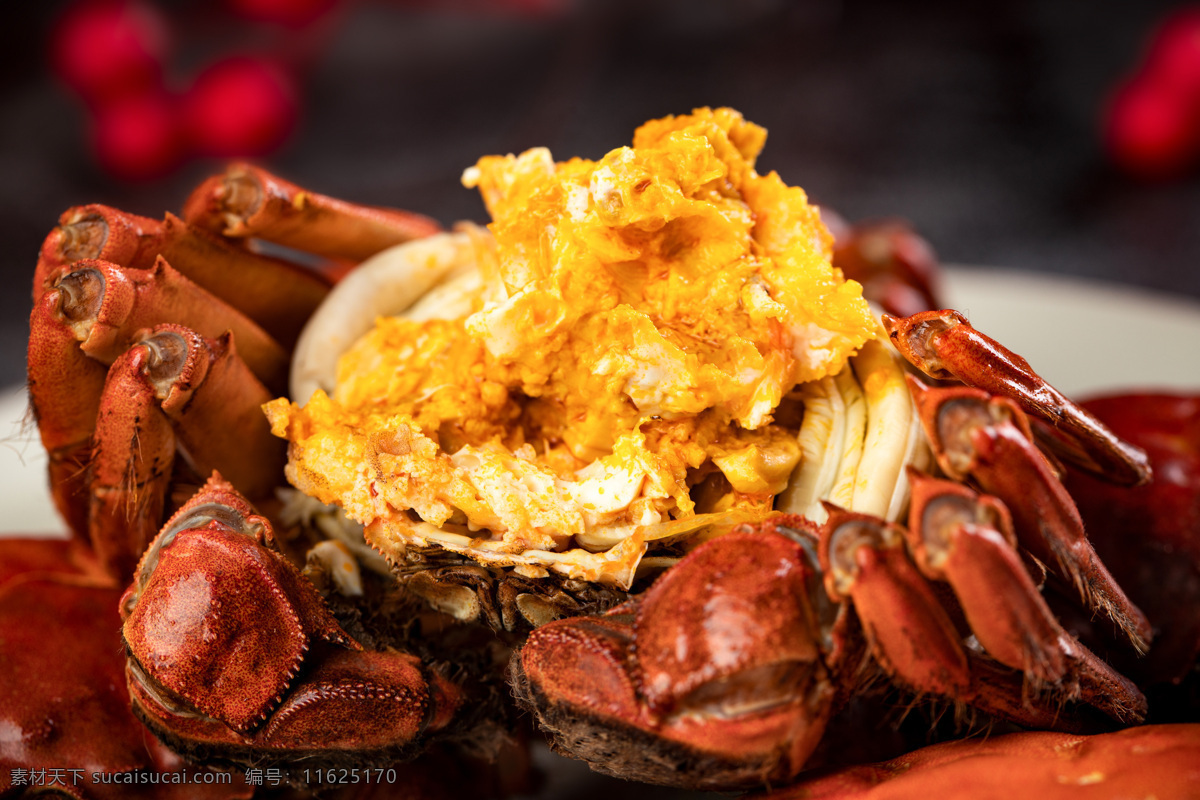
x=986 y=438
x=89 y=318
x=134 y=456
x=943 y=345
x=173 y=388
x=278 y=295
x=65 y=386
x=249 y=201
x=965 y=539
x=913 y=638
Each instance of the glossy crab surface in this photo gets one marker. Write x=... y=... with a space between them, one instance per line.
x=1149 y=534
x=729 y=670
x=1152 y=761
x=233 y=655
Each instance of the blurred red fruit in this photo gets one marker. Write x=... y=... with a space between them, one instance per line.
x=1174 y=58
x=292 y=13
x=136 y=138
x=1152 y=130
x=107 y=48
x=238 y=107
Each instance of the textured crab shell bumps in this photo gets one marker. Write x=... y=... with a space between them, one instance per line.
x=235 y=655
x=245 y=647
x=713 y=680
x=549 y=394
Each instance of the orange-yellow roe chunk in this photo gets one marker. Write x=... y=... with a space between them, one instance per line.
x=642 y=320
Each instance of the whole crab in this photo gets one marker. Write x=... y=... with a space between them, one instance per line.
x=725 y=673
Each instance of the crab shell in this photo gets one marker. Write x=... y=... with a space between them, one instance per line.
x=1151 y=761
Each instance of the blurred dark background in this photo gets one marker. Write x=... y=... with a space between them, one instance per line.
x=981 y=123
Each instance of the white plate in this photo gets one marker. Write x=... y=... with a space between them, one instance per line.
x=1085 y=337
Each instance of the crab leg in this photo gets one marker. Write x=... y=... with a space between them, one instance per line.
x=276 y=294
x=943 y=345
x=175 y=379
x=132 y=463
x=215 y=403
x=105 y=306
x=64 y=392
x=249 y=201
x=957 y=536
x=93 y=231
x=987 y=439
x=909 y=632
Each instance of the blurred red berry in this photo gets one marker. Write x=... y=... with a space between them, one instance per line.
x=1174 y=57
x=106 y=48
x=292 y=13
x=1152 y=131
x=240 y=106
x=135 y=137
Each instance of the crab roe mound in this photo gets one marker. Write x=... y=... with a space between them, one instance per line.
x=639 y=320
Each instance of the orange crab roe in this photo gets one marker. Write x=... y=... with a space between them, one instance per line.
x=638 y=323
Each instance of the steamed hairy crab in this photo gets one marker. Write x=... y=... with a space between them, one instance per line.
x=650 y=371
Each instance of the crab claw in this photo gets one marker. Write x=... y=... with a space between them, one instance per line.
x=987 y=439
x=944 y=346
x=234 y=656
x=713 y=680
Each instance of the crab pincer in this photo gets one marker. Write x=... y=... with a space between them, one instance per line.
x=713 y=679
x=172 y=391
x=234 y=657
